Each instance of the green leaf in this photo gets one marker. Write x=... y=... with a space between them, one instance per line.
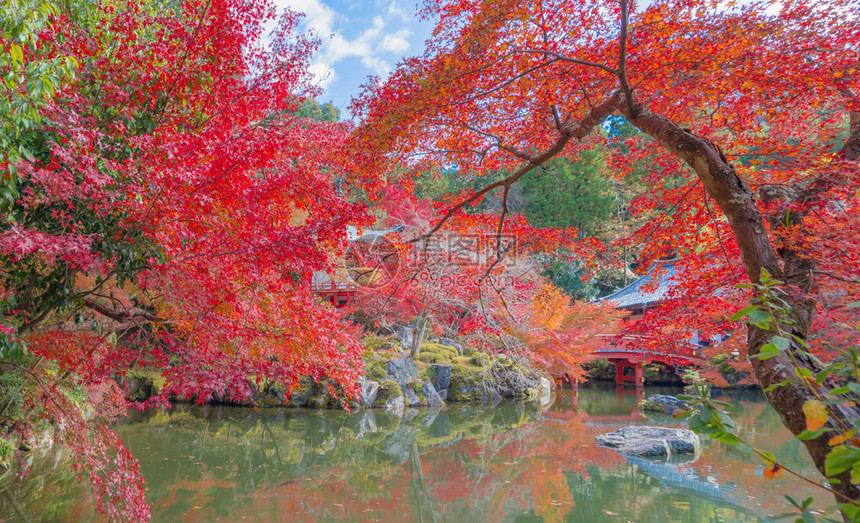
x=761 y=319
x=812 y=434
x=781 y=342
x=777 y=385
x=768 y=351
x=743 y=312
x=727 y=438
x=839 y=460
x=17 y=53
x=821 y=376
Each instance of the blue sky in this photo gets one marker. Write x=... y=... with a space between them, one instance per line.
x=360 y=38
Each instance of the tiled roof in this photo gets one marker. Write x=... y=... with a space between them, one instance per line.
x=651 y=288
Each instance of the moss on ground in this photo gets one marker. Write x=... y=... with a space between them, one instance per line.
x=435 y=353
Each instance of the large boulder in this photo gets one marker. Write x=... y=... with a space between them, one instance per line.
x=299 y=398
x=431 y=397
x=663 y=403
x=412 y=399
x=651 y=441
x=394 y=406
x=402 y=370
x=441 y=376
x=369 y=391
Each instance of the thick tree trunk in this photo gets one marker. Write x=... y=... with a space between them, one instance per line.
x=737 y=202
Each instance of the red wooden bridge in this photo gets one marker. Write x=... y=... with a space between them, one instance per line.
x=648 y=291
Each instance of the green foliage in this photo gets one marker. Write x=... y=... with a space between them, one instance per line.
x=26 y=85
x=12 y=393
x=312 y=109
x=568 y=276
x=570 y=193
x=374 y=368
x=7 y=451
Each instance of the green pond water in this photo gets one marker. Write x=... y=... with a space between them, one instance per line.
x=463 y=463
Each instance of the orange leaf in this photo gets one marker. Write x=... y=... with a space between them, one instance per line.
x=816 y=414
x=840 y=438
x=773 y=471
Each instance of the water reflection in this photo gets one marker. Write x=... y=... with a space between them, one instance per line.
x=509 y=462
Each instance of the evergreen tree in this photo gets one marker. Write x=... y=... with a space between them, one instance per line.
x=570 y=193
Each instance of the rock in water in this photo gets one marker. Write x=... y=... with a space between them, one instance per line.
x=650 y=441
x=441 y=376
x=661 y=402
x=402 y=370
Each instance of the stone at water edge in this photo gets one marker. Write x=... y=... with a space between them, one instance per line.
x=664 y=403
x=369 y=391
x=299 y=398
x=395 y=406
x=431 y=397
x=402 y=370
x=412 y=399
x=441 y=376
x=545 y=389
x=651 y=441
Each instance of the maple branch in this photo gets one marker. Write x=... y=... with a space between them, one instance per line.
x=563 y=58
x=716 y=226
x=121 y=315
x=581 y=130
x=504 y=84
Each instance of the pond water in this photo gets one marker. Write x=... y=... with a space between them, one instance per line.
x=508 y=462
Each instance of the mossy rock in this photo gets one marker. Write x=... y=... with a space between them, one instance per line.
x=317 y=402
x=388 y=389
x=466 y=385
x=374 y=368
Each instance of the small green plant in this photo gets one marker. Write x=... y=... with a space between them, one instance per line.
x=770 y=312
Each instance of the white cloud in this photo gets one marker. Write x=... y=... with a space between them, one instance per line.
x=318 y=16
x=397 y=43
x=395 y=10
x=358 y=39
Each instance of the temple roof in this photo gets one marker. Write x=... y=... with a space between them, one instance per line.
x=650 y=289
